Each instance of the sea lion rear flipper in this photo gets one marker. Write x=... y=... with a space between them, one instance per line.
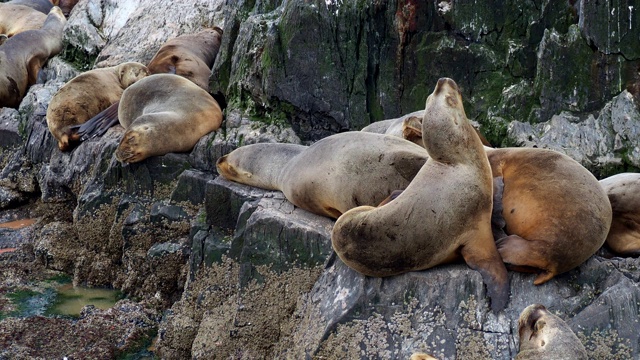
x=498 y=223
x=483 y=257
x=99 y=124
x=522 y=253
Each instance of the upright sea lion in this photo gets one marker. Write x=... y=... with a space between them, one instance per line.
x=445 y=211
x=546 y=336
x=556 y=214
x=623 y=191
x=164 y=113
x=190 y=55
x=333 y=175
x=43 y=6
x=16 y=18
x=22 y=56
x=87 y=95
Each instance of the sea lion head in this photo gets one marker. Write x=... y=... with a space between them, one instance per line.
x=232 y=166
x=446 y=131
x=544 y=335
x=130 y=72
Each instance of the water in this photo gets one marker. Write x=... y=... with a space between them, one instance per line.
x=70 y=300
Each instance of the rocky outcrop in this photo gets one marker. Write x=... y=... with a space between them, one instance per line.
x=241 y=272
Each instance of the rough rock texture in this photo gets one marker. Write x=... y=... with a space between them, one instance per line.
x=241 y=272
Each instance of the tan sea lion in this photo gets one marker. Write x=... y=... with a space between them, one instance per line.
x=555 y=213
x=445 y=211
x=43 y=6
x=164 y=113
x=16 y=18
x=546 y=336
x=87 y=95
x=190 y=55
x=421 y=356
x=623 y=191
x=333 y=175
x=408 y=127
x=22 y=56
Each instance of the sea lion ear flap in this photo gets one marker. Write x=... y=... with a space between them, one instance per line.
x=412 y=129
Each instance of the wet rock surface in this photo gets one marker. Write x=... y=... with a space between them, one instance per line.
x=222 y=269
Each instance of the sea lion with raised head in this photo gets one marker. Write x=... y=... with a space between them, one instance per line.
x=546 y=336
x=443 y=214
x=23 y=55
x=86 y=95
x=164 y=113
x=554 y=213
x=333 y=175
x=623 y=191
x=190 y=55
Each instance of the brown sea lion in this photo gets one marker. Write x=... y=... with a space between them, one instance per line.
x=87 y=95
x=546 y=336
x=22 y=56
x=555 y=213
x=43 y=6
x=15 y=18
x=164 y=113
x=333 y=175
x=623 y=191
x=408 y=127
x=443 y=214
x=190 y=55
x=67 y=5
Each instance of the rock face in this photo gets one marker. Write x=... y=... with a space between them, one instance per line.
x=240 y=272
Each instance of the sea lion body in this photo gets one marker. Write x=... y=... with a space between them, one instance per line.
x=331 y=176
x=23 y=55
x=191 y=56
x=445 y=211
x=623 y=191
x=43 y=6
x=16 y=18
x=164 y=113
x=556 y=213
x=88 y=94
x=546 y=336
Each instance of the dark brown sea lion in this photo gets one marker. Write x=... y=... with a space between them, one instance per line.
x=443 y=214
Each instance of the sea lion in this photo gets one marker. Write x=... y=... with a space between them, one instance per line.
x=554 y=211
x=421 y=356
x=445 y=211
x=546 y=336
x=43 y=6
x=408 y=127
x=22 y=56
x=67 y=5
x=16 y=18
x=164 y=113
x=87 y=95
x=333 y=175
x=623 y=191
x=190 y=55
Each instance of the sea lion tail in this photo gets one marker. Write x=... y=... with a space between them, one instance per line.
x=99 y=124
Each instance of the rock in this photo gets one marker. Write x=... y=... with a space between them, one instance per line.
x=9 y=132
x=611 y=27
x=605 y=145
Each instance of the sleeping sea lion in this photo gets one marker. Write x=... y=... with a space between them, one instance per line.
x=43 y=6
x=164 y=113
x=623 y=191
x=87 y=95
x=333 y=175
x=443 y=214
x=16 y=18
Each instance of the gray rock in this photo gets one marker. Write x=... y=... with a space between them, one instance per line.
x=606 y=144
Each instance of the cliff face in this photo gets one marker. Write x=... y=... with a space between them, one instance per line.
x=240 y=271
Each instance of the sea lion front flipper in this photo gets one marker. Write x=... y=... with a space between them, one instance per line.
x=99 y=124
x=498 y=223
x=522 y=253
x=483 y=257
x=412 y=129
